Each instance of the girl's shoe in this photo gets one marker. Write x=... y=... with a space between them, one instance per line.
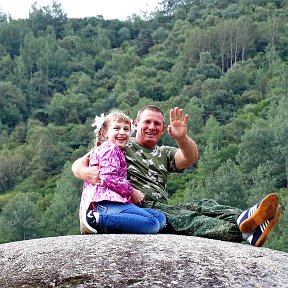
x=90 y=223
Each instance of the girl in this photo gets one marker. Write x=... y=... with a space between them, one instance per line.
x=108 y=207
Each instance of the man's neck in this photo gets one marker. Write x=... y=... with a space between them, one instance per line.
x=145 y=145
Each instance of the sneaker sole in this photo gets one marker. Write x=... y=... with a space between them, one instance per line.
x=272 y=222
x=85 y=228
x=265 y=211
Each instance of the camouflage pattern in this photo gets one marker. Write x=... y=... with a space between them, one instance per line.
x=148 y=170
x=205 y=218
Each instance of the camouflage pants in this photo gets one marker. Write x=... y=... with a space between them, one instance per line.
x=205 y=218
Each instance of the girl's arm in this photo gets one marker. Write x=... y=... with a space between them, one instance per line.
x=110 y=172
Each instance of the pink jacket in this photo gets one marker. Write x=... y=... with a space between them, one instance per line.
x=113 y=174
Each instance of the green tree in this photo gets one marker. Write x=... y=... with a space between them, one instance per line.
x=263 y=183
x=61 y=217
x=212 y=133
x=12 y=104
x=49 y=152
x=206 y=67
x=124 y=34
x=144 y=42
x=29 y=53
x=53 y=16
x=12 y=35
x=236 y=79
x=68 y=108
x=218 y=100
x=13 y=166
x=277 y=238
x=6 y=68
x=19 y=219
x=255 y=147
x=279 y=125
x=227 y=186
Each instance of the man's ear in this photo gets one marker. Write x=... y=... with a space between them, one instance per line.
x=164 y=129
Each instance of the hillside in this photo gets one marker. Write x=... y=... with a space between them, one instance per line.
x=224 y=62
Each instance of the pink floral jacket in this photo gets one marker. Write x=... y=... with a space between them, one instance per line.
x=113 y=175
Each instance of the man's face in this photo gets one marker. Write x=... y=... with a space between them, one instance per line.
x=150 y=128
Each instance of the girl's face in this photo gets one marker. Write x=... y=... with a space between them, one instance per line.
x=118 y=133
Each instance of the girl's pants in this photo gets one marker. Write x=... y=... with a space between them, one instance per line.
x=115 y=217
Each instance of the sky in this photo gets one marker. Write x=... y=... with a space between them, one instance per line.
x=109 y=9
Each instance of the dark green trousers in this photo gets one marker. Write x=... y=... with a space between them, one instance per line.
x=205 y=218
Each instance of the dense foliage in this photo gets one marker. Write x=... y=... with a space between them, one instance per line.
x=225 y=62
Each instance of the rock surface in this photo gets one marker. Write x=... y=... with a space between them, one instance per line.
x=139 y=261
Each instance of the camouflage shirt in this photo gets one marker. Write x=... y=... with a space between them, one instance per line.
x=148 y=169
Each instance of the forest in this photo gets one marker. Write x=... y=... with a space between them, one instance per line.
x=224 y=61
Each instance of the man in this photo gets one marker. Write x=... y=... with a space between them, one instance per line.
x=148 y=166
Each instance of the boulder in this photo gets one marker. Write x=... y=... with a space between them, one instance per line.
x=127 y=260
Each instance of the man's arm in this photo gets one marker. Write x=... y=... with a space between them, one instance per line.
x=81 y=170
x=187 y=153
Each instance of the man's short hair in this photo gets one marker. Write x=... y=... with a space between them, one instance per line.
x=151 y=108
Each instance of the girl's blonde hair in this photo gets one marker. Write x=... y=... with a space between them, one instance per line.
x=114 y=115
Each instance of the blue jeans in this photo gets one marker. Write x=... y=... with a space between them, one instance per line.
x=115 y=217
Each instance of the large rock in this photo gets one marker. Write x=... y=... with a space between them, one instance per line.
x=139 y=261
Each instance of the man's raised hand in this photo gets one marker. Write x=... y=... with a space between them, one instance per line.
x=178 y=124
